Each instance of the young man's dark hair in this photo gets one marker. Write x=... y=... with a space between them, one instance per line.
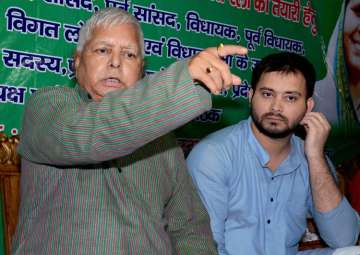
x=286 y=63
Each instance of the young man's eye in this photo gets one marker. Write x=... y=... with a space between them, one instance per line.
x=266 y=94
x=291 y=98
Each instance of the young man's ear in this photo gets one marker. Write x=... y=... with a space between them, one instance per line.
x=250 y=95
x=310 y=103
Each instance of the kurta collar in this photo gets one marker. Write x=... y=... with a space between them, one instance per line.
x=291 y=163
x=84 y=95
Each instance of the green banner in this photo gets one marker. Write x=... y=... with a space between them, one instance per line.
x=39 y=39
x=38 y=45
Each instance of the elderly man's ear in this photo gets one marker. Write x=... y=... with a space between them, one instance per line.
x=76 y=60
x=143 y=69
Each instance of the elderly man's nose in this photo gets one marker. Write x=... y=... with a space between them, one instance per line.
x=115 y=61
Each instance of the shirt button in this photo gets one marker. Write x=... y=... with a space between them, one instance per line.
x=271 y=200
x=268 y=221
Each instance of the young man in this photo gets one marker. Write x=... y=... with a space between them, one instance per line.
x=99 y=174
x=258 y=180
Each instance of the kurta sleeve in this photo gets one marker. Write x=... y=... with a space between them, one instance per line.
x=60 y=128
x=188 y=221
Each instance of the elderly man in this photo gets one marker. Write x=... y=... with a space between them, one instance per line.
x=259 y=181
x=100 y=174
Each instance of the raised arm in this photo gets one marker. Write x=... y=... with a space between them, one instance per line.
x=59 y=128
x=338 y=223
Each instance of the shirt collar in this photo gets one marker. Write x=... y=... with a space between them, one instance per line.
x=255 y=145
x=293 y=160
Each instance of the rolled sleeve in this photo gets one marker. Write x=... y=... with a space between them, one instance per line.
x=340 y=226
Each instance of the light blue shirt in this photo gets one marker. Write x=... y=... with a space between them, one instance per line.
x=254 y=210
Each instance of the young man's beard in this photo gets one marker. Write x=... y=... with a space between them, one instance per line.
x=272 y=133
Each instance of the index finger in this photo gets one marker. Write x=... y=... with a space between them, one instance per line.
x=231 y=49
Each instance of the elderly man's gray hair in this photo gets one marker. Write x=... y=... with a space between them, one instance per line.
x=106 y=18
